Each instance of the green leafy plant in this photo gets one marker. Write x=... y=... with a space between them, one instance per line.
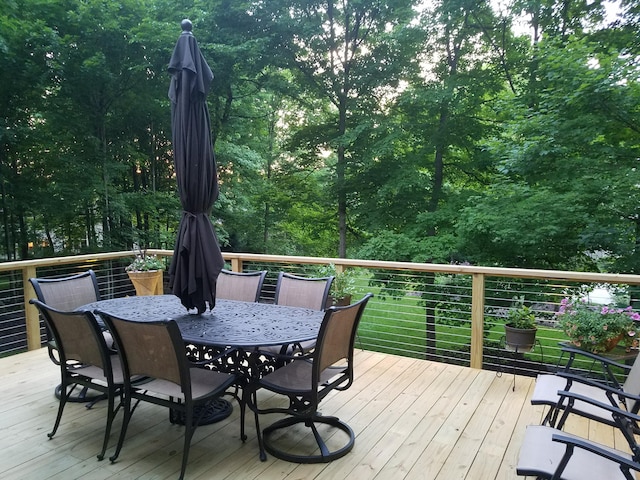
x=343 y=283
x=521 y=317
x=597 y=328
x=144 y=263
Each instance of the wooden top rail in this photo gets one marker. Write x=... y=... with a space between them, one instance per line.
x=477 y=273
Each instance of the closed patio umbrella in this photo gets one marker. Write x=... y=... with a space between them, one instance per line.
x=197 y=259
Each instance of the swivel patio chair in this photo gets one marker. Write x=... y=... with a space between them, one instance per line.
x=607 y=390
x=244 y=287
x=67 y=294
x=84 y=359
x=550 y=453
x=305 y=292
x=155 y=350
x=306 y=380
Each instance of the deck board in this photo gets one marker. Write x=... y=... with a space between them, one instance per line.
x=413 y=419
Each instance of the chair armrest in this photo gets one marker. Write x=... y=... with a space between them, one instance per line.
x=614 y=456
x=606 y=363
x=593 y=356
x=572 y=377
x=285 y=357
x=606 y=406
x=628 y=398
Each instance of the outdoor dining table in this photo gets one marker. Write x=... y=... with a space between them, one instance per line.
x=230 y=335
x=231 y=324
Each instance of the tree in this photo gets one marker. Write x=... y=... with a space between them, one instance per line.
x=347 y=53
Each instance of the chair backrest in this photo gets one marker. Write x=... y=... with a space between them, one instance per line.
x=294 y=291
x=336 y=339
x=67 y=293
x=78 y=336
x=632 y=384
x=244 y=287
x=150 y=349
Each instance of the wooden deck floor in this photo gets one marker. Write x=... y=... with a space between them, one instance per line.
x=413 y=420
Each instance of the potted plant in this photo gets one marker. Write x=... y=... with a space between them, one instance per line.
x=145 y=272
x=597 y=328
x=520 y=329
x=342 y=287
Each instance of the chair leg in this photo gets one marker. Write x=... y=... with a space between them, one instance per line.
x=125 y=423
x=111 y=413
x=62 y=402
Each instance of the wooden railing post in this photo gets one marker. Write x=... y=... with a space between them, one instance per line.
x=31 y=311
x=236 y=264
x=477 y=319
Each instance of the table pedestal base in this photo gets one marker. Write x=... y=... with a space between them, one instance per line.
x=216 y=411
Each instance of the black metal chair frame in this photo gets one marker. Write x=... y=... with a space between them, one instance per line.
x=329 y=367
x=69 y=303
x=188 y=408
x=98 y=375
x=548 y=453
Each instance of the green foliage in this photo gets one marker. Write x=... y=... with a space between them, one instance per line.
x=343 y=283
x=521 y=317
x=144 y=263
x=433 y=135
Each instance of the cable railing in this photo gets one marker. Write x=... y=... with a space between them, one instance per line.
x=446 y=313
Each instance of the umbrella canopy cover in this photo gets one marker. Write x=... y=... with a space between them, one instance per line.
x=197 y=259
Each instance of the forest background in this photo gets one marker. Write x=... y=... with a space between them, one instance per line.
x=439 y=131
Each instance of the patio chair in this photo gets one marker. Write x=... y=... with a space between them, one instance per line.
x=67 y=294
x=244 y=287
x=609 y=390
x=306 y=380
x=84 y=359
x=305 y=292
x=550 y=453
x=155 y=350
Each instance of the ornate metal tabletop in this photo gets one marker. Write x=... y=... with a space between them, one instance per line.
x=229 y=324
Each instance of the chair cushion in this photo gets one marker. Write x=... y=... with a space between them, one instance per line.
x=540 y=455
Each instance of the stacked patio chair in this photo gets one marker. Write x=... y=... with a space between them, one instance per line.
x=548 y=452
x=84 y=359
x=244 y=287
x=66 y=294
x=306 y=380
x=608 y=390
